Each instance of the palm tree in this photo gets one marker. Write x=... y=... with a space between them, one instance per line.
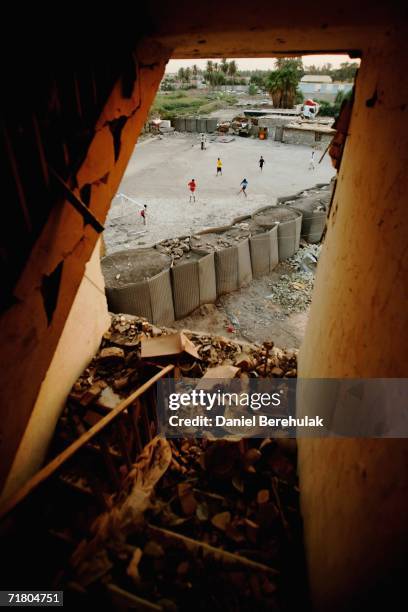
x=181 y=74
x=282 y=82
x=195 y=71
x=187 y=74
x=232 y=68
x=224 y=66
x=210 y=67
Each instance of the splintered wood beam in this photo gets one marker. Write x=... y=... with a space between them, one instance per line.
x=60 y=459
x=79 y=206
x=130 y=600
x=218 y=554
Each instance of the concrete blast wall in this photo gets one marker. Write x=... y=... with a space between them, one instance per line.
x=264 y=252
x=193 y=285
x=151 y=298
x=313 y=224
x=174 y=293
x=289 y=237
x=196 y=124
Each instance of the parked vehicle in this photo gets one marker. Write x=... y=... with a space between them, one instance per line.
x=310 y=109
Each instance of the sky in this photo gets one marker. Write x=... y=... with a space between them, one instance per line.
x=262 y=63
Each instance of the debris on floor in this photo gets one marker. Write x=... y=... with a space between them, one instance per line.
x=125 y=353
x=176 y=248
x=293 y=291
x=200 y=524
x=179 y=524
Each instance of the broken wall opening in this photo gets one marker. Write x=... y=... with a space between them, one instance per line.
x=339 y=317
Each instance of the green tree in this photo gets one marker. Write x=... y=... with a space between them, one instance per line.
x=181 y=74
x=346 y=72
x=224 y=66
x=232 y=68
x=282 y=83
x=187 y=75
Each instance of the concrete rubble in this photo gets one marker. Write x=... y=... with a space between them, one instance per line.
x=119 y=363
x=293 y=291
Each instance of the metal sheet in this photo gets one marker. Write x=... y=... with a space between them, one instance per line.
x=161 y=298
x=186 y=288
x=244 y=263
x=132 y=299
x=207 y=279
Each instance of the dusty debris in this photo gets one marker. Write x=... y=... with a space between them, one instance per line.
x=221 y=371
x=221 y=520
x=91 y=394
x=129 y=513
x=176 y=248
x=111 y=353
x=163 y=346
x=108 y=399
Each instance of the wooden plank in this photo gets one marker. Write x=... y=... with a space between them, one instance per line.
x=79 y=206
x=130 y=600
x=60 y=459
x=218 y=554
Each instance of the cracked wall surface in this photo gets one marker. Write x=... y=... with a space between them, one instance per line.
x=32 y=322
x=79 y=121
x=355 y=491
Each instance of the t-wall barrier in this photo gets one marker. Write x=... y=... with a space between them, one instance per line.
x=313 y=224
x=151 y=298
x=289 y=236
x=193 y=284
x=175 y=292
x=264 y=252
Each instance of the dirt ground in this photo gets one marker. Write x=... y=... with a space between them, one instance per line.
x=159 y=170
x=251 y=314
x=157 y=175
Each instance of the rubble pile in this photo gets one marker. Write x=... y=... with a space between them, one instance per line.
x=192 y=522
x=311 y=200
x=293 y=291
x=215 y=241
x=118 y=367
x=306 y=257
x=176 y=248
x=200 y=522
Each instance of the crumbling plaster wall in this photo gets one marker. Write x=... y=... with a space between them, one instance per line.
x=88 y=319
x=352 y=491
x=306 y=137
x=28 y=338
x=355 y=492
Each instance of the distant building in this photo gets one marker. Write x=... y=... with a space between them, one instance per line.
x=316 y=78
x=312 y=134
x=321 y=87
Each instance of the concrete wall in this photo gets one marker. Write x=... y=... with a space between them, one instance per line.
x=87 y=321
x=187 y=286
x=355 y=492
x=29 y=332
x=324 y=91
x=305 y=137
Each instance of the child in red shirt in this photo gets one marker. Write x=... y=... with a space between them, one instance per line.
x=192 y=186
x=143 y=213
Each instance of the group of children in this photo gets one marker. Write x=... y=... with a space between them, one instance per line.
x=192 y=185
